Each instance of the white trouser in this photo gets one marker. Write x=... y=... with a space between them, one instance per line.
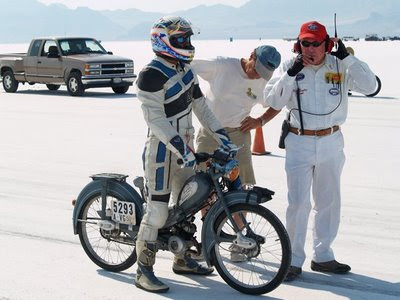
x=164 y=178
x=317 y=162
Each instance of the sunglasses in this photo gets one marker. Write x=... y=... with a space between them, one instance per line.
x=307 y=44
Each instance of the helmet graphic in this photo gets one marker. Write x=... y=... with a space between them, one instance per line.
x=170 y=37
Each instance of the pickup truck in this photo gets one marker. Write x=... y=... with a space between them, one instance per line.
x=79 y=63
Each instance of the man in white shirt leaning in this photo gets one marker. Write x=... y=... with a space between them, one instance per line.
x=236 y=85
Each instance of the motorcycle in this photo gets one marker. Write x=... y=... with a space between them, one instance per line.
x=378 y=85
x=108 y=212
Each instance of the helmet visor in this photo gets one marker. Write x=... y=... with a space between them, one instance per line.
x=181 y=41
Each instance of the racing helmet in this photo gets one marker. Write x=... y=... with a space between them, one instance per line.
x=170 y=37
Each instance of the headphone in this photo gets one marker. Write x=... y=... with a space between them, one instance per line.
x=328 y=45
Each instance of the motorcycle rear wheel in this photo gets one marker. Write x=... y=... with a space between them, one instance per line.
x=378 y=87
x=112 y=250
x=264 y=267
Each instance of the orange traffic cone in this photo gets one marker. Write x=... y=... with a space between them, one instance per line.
x=258 y=144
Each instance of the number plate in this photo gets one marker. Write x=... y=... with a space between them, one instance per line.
x=117 y=80
x=123 y=212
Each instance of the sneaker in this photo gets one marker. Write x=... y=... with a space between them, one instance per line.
x=146 y=280
x=236 y=254
x=187 y=265
x=330 y=267
x=293 y=273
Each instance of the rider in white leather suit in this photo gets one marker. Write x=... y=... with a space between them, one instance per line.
x=169 y=91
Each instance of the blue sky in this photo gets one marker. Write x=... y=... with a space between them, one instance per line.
x=153 y=5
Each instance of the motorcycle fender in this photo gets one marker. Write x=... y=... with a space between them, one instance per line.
x=208 y=235
x=122 y=190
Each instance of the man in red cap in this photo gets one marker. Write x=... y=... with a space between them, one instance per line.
x=313 y=86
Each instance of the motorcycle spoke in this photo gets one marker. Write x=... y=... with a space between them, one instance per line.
x=101 y=243
x=261 y=264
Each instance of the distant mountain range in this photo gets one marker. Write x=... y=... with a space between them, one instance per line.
x=23 y=19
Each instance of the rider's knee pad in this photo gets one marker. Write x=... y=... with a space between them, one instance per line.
x=156 y=214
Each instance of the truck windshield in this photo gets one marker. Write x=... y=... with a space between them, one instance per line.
x=80 y=46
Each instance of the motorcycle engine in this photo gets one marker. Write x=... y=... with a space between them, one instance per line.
x=176 y=245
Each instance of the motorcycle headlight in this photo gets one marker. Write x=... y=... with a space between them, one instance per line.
x=232 y=170
x=233 y=174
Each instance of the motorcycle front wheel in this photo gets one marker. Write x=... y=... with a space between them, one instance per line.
x=258 y=270
x=112 y=250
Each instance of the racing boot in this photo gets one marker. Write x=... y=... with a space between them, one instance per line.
x=187 y=265
x=145 y=278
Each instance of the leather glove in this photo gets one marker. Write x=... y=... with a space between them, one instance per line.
x=297 y=66
x=226 y=141
x=341 y=52
x=187 y=158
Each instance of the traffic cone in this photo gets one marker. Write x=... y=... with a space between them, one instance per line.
x=258 y=144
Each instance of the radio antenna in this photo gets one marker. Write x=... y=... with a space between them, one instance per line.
x=334 y=22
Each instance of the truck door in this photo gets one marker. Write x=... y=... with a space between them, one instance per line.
x=49 y=69
x=30 y=61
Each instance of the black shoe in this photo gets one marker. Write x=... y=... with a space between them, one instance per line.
x=293 y=273
x=330 y=267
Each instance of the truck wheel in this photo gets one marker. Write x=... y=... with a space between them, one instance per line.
x=10 y=84
x=120 y=89
x=74 y=84
x=53 y=87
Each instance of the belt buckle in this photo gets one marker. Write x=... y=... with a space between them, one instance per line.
x=298 y=131
x=332 y=129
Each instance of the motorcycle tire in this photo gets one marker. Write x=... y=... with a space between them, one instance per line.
x=252 y=271
x=378 y=87
x=101 y=245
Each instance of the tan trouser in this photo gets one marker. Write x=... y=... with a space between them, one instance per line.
x=206 y=143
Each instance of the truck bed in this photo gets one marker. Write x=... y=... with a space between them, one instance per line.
x=18 y=55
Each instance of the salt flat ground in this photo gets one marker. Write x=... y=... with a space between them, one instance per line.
x=50 y=143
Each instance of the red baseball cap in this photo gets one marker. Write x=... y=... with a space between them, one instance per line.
x=313 y=30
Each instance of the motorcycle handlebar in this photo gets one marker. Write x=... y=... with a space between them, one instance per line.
x=219 y=155
x=200 y=157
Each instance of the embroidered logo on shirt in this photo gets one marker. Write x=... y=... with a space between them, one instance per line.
x=300 y=76
x=334 y=91
x=334 y=78
x=251 y=94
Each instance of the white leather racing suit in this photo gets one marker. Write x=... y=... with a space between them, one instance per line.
x=168 y=92
x=316 y=161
